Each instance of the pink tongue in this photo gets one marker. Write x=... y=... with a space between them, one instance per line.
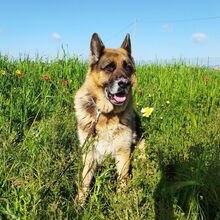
x=119 y=98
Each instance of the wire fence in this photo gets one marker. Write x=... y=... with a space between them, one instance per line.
x=205 y=62
x=209 y=62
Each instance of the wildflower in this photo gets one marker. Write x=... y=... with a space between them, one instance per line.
x=64 y=82
x=167 y=102
x=2 y=72
x=21 y=75
x=206 y=79
x=139 y=91
x=146 y=112
x=18 y=72
x=45 y=77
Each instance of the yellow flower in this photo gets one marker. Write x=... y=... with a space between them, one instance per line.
x=2 y=72
x=18 y=72
x=168 y=102
x=146 y=112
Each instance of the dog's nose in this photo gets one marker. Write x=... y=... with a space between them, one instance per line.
x=124 y=82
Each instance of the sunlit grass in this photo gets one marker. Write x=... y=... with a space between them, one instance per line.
x=175 y=176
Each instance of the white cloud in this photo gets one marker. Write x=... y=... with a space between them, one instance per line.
x=56 y=36
x=199 y=37
x=167 y=28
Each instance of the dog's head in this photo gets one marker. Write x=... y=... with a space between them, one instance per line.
x=112 y=69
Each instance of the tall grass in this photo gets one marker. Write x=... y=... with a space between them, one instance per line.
x=176 y=176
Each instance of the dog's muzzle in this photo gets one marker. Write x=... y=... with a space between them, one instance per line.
x=117 y=91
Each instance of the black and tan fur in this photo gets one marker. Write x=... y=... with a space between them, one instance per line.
x=108 y=88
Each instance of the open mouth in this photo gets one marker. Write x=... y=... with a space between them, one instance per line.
x=117 y=98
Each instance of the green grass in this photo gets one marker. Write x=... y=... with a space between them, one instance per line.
x=176 y=177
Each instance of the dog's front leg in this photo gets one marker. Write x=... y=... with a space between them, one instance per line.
x=87 y=174
x=122 y=165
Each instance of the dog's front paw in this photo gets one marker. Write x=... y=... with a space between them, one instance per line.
x=122 y=185
x=80 y=198
x=105 y=106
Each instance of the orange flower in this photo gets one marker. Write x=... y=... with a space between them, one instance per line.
x=21 y=75
x=140 y=91
x=45 y=77
x=64 y=82
x=206 y=79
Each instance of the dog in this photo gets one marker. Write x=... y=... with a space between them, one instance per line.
x=104 y=107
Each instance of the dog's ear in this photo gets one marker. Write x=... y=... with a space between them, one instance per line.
x=96 y=48
x=127 y=44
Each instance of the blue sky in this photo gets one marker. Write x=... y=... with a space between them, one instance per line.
x=162 y=29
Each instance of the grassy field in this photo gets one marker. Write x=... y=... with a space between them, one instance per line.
x=176 y=177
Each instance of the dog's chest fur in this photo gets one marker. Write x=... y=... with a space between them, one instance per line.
x=113 y=132
x=116 y=136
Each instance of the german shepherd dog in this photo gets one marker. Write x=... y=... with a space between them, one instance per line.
x=105 y=102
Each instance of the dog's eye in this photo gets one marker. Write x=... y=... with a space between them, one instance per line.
x=110 y=67
x=128 y=67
